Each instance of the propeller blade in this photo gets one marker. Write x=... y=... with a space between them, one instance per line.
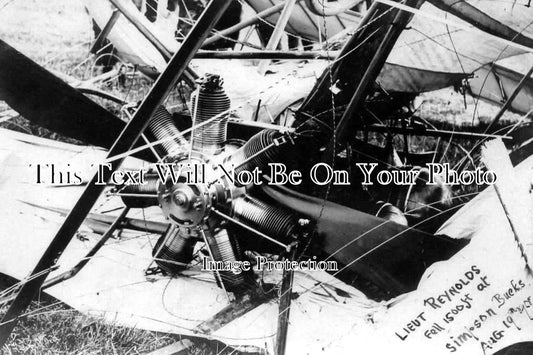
x=47 y=101
x=391 y=255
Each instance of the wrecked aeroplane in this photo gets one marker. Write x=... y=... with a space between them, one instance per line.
x=204 y=241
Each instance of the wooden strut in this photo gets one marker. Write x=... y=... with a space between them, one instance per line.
x=274 y=54
x=410 y=131
x=278 y=32
x=371 y=56
x=260 y=16
x=237 y=308
x=190 y=76
x=499 y=82
x=509 y=101
x=125 y=142
x=285 y=307
x=397 y=26
x=477 y=18
x=81 y=264
x=102 y=36
x=85 y=260
x=323 y=84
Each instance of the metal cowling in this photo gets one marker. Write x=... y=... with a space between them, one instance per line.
x=208 y=101
x=162 y=126
x=275 y=222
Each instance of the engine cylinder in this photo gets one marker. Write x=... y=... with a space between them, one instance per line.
x=174 y=249
x=226 y=250
x=208 y=101
x=162 y=126
x=257 y=143
x=149 y=189
x=276 y=222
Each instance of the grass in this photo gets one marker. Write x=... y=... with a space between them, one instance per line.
x=58 y=330
x=51 y=327
x=57 y=34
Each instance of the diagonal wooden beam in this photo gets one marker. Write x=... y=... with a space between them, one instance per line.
x=481 y=20
x=234 y=310
x=285 y=307
x=190 y=76
x=510 y=100
x=102 y=36
x=278 y=32
x=260 y=16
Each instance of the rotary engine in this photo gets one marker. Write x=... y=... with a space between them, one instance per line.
x=198 y=200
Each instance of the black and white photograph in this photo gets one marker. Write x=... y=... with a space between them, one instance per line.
x=267 y=177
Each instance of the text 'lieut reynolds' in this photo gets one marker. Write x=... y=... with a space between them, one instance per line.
x=450 y=317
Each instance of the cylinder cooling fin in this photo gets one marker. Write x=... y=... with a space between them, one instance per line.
x=226 y=250
x=247 y=157
x=174 y=249
x=276 y=222
x=208 y=102
x=162 y=127
x=132 y=195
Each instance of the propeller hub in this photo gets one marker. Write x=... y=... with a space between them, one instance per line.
x=180 y=198
x=188 y=201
